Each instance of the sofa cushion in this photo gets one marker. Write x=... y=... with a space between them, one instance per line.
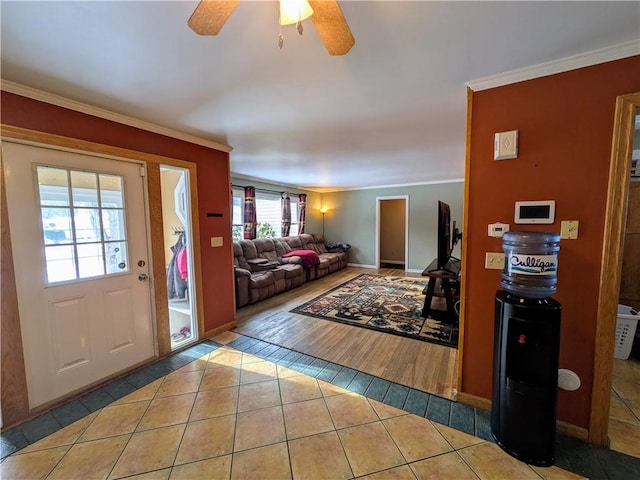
x=261 y=279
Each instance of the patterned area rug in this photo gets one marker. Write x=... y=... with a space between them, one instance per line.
x=387 y=304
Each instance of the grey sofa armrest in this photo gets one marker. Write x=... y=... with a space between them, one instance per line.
x=241 y=272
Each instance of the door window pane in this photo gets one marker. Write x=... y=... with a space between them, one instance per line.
x=53 y=186
x=113 y=225
x=116 y=255
x=87 y=224
x=56 y=225
x=91 y=227
x=90 y=260
x=111 y=191
x=84 y=189
x=61 y=265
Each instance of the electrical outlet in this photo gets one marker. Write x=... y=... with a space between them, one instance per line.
x=569 y=229
x=494 y=261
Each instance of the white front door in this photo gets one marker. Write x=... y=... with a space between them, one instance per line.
x=79 y=240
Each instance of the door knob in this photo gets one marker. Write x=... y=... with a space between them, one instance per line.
x=143 y=277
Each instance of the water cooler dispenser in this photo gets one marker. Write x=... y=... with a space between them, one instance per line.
x=526 y=348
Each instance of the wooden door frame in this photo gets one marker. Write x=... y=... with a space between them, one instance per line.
x=611 y=265
x=12 y=371
x=406 y=228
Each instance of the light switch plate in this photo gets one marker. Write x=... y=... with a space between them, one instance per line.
x=494 y=261
x=505 y=145
x=216 y=241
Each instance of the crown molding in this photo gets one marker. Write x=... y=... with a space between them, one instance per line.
x=63 y=102
x=607 y=54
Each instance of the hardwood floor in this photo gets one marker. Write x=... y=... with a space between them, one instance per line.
x=414 y=363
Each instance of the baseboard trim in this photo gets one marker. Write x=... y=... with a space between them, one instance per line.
x=359 y=265
x=223 y=328
x=474 y=401
x=562 y=427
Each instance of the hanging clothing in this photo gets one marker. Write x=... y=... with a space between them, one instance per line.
x=176 y=285
x=182 y=263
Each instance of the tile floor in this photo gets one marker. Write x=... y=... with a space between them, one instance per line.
x=242 y=408
x=624 y=411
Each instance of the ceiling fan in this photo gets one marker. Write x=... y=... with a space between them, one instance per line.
x=210 y=16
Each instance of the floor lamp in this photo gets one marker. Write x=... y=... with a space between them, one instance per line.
x=323 y=210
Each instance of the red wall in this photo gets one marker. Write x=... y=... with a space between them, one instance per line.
x=565 y=125
x=213 y=184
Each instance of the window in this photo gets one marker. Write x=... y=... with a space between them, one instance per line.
x=83 y=223
x=268 y=214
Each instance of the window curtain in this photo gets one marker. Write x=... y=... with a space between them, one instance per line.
x=249 y=213
x=302 y=208
x=285 y=208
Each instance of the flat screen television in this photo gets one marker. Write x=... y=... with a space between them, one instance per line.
x=448 y=235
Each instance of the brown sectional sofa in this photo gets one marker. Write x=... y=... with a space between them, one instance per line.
x=265 y=267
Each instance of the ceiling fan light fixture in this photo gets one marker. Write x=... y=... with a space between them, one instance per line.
x=294 y=11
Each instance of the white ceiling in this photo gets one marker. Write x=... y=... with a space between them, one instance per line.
x=390 y=112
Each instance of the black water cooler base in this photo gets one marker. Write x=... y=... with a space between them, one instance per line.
x=525 y=377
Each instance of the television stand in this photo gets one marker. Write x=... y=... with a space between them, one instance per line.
x=443 y=282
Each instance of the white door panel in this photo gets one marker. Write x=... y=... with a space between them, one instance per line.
x=84 y=313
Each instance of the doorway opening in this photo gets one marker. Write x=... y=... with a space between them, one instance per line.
x=392 y=220
x=178 y=255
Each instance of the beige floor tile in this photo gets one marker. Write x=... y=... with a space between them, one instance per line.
x=416 y=437
x=145 y=393
x=270 y=462
x=619 y=410
x=29 y=466
x=198 y=364
x=248 y=358
x=215 y=403
x=306 y=418
x=257 y=428
x=319 y=457
x=115 y=420
x=626 y=370
x=329 y=389
x=556 y=473
x=369 y=449
x=489 y=462
x=66 y=436
x=624 y=437
x=220 y=377
x=254 y=396
x=634 y=406
x=299 y=389
x=402 y=472
x=257 y=372
x=284 y=372
x=155 y=475
x=93 y=459
x=166 y=411
x=205 y=439
x=456 y=438
x=224 y=356
x=225 y=337
x=385 y=411
x=628 y=390
x=444 y=467
x=148 y=451
x=218 y=468
x=349 y=410
x=179 y=383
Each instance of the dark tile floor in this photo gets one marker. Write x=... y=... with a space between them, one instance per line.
x=571 y=454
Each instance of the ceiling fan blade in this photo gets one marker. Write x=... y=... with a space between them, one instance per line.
x=332 y=26
x=210 y=16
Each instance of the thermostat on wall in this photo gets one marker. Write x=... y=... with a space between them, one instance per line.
x=539 y=211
